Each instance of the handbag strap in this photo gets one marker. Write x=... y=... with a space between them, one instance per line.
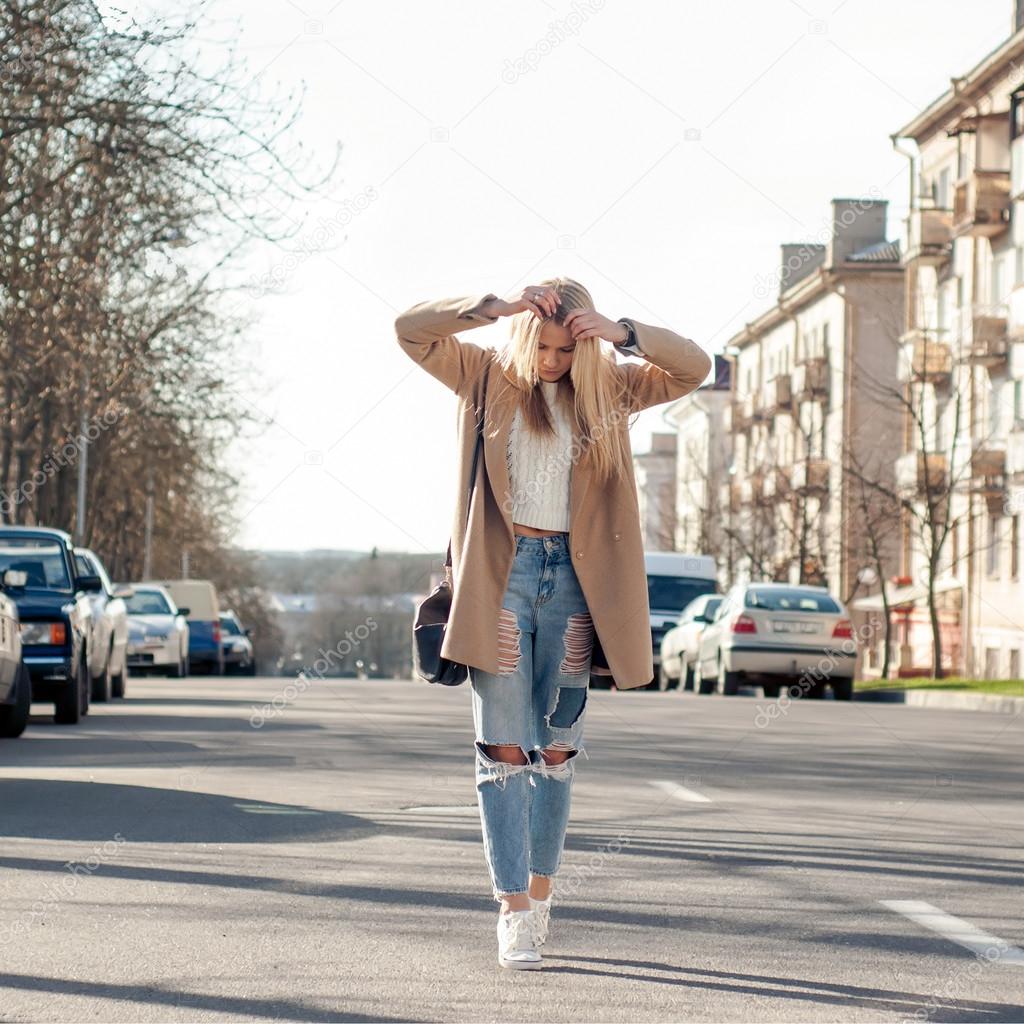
x=472 y=471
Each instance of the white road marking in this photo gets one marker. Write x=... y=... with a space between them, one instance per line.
x=997 y=951
x=451 y=809
x=690 y=796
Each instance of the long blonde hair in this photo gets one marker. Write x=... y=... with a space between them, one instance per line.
x=590 y=391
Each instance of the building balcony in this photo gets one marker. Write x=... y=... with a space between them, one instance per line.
x=810 y=476
x=920 y=473
x=925 y=357
x=737 y=420
x=981 y=204
x=988 y=460
x=929 y=237
x=778 y=394
x=988 y=342
x=753 y=408
x=810 y=378
x=988 y=476
x=777 y=483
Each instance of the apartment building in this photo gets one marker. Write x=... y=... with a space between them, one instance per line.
x=655 y=473
x=810 y=406
x=703 y=454
x=962 y=371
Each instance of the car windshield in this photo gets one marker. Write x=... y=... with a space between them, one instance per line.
x=790 y=599
x=147 y=602
x=229 y=626
x=673 y=593
x=42 y=560
x=711 y=607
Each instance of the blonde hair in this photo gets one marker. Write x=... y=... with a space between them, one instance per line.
x=591 y=391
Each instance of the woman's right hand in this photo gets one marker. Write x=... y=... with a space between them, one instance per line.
x=541 y=300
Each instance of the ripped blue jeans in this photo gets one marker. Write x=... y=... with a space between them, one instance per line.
x=536 y=701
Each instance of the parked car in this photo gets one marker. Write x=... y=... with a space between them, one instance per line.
x=108 y=644
x=157 y=632
x=237 y=647
x=15 y=682
x=204 y=636
x=776 y=634
x=54 y=613
x=674 y=579
x=679 y=645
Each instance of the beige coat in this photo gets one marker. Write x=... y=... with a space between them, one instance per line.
x=604 y=521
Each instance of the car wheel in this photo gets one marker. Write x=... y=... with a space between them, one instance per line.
x=14 y=717
x=68 y=705
x=842 y=689
x=117 y=683
x=688 y=679
x=178 y=671
x=101 y=685
x=772 y=690
x=251 y=670
x=728 y=682
x=703 y=686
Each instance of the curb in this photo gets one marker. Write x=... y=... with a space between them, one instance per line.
x=941 y=699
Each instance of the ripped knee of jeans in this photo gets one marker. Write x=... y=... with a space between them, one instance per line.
x=491 y=769
x=561 y=770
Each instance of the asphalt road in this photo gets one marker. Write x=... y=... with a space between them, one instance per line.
x=180 y=856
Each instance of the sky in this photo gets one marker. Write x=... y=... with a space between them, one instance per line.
x=658 y=151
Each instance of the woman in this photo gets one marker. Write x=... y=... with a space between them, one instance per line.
x=548 y=558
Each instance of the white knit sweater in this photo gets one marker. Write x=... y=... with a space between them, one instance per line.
x=540 y=469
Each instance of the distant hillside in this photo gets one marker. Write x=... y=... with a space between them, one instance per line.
x=343 y=571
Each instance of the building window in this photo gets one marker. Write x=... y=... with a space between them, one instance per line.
x=1015 y=663
x=942 y=198
x=1018 y=277
x=954 y=536
x=1014 y=547
x=824 y=339
x=992 y=549
x=996 y=292
x=1018 y=401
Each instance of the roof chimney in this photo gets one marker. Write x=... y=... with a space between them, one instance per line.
x=856 y=224
x=798 y=259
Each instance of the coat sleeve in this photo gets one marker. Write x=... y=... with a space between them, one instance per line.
x=426 y=333
x=675 y=366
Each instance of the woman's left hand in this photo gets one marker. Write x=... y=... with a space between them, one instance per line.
x=588 y=323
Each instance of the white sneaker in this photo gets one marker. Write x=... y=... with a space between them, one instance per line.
x=516 y=946
x=541 y=910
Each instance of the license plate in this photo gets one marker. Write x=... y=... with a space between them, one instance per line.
x=794 y=627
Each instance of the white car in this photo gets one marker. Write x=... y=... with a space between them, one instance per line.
x=108 y=642
x=679 y=645
x=157 y=632
x=776 y=634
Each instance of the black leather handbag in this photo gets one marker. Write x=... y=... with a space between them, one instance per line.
x=432 y=612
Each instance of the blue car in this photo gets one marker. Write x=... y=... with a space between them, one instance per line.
x=38 y=567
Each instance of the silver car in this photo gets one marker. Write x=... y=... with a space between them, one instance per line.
x=157 y=632
x=108 y=644
x=776 y=634
x=679 y=645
